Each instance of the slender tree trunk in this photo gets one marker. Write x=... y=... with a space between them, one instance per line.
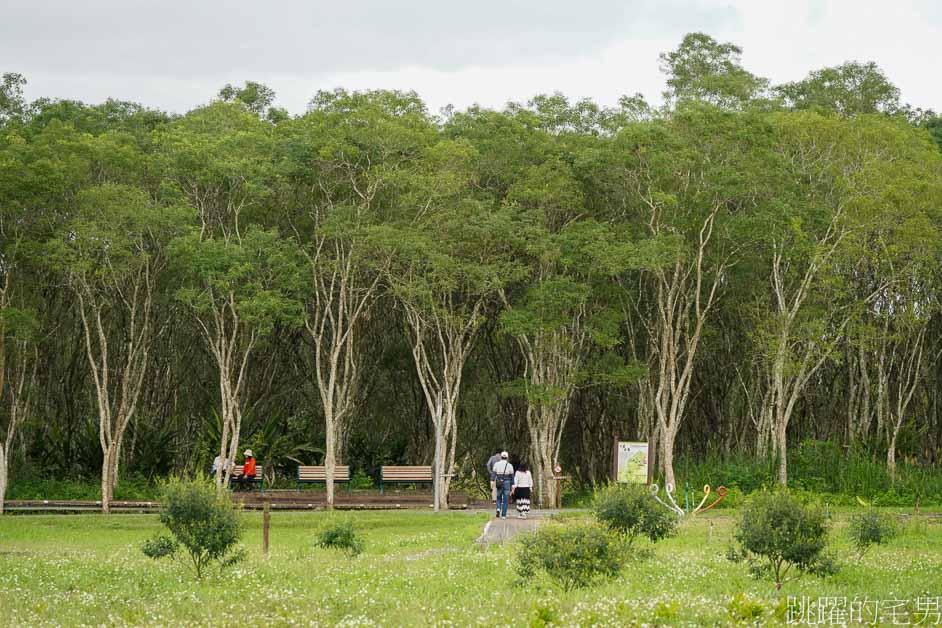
x=866 y=412
x=891 y=457
x=330 y=458
x=4 y=473
x=118 y=379
x=667 y=457
x=441 y=343
x=3 y=477
x=107 y=480
x=22 y=388
x=342 y=299
x=684 y=297
x=230 y=343
x=905 y=361
x=789 y=380
x=553 y=359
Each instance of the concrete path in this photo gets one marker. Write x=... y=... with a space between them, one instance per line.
x=502 y=530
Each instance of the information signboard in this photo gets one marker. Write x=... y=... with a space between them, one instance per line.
x=632 y=462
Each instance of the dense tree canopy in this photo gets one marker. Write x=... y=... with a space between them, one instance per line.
x=741 y=269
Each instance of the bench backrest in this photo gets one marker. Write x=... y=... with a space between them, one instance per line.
x=319 y=474
x=407 y=474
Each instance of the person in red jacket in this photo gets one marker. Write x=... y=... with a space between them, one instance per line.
x=248 y=469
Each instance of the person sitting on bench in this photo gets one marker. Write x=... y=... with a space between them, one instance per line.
x=248 y=470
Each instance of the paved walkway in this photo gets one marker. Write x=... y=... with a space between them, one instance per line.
x=502 y=530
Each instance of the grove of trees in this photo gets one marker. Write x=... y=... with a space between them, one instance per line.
x=739 y=269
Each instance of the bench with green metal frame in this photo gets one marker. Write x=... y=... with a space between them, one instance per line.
x=318 y=475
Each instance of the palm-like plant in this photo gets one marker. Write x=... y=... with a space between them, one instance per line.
x=276 y=447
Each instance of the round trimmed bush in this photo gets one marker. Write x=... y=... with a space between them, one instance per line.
x=574 y=556
x=631 y=511
x=779 y=531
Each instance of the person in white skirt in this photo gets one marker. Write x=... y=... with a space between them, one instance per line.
x=522 y=490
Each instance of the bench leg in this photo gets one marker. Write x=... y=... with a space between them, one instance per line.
x=380 y=487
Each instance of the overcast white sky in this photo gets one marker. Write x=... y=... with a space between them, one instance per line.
x=176 y=54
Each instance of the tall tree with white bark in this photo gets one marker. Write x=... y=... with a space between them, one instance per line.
x=219 y=159
x=691 y=182
x=112 y=255
x=238 y=292
x=344 y=178
x=449 y=264
x=559 y=320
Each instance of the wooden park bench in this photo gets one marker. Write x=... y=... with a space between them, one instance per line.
x=258 y=482
x=404 y=475
x=318 y=475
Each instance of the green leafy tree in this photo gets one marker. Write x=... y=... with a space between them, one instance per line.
x=241 y=280
x=702 y=69
x=203 y=521
x=933 y=124
x=449 y=263
x=218 y=159
x=690 y=186
x=12 y=103
x=238 y=291
x=828 y=266
x=849 y=89
x=255 y=97
x=558 y=320
x=343 y=179
x=870 y=528
x=19 y=361
x=112 y=255
x=778 y=532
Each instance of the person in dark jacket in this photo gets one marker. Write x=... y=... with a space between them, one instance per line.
x=504 y=477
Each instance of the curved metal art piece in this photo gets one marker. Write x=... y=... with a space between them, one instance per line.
x=669 y=490
x=672 y=506
x=721 y=492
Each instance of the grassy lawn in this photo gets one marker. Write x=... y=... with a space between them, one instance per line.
x=418 y=569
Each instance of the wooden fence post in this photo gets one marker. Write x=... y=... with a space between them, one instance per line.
x=266 y=523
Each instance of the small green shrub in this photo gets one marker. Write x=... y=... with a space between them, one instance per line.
x=631 y=511
x=779 y=531
x=340 y=535
x=574 y=556
x=160 y=546
x=870 y=528
x=360 y=480
x=202 y=521
x=745 y=610
x=544 y=616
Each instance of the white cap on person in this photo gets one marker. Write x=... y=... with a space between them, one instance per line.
x=504 y=454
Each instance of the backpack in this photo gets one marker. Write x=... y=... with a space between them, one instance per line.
x=500 y=477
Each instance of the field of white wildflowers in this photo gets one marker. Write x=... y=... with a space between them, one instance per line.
x=424 y=569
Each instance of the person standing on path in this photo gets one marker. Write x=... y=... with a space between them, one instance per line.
x=490 y=472
x=504 y=478
x=522 y=488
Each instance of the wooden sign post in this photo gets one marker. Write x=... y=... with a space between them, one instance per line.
x=266 y=524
